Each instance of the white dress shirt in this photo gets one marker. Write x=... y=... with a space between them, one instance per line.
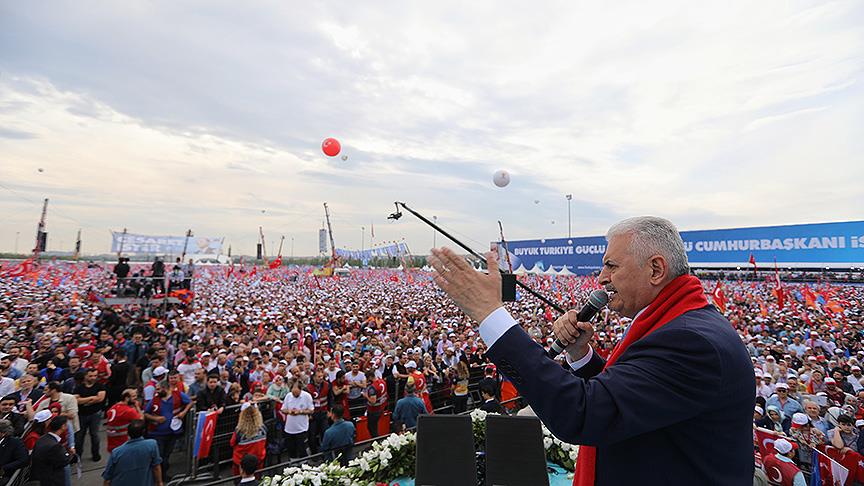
x=500 y=321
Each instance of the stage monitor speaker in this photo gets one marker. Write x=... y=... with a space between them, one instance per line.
x=260 y=253
x=445 y=451
x=508 y=287
x=514 y=452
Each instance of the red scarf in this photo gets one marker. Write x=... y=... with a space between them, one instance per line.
x=683 y=294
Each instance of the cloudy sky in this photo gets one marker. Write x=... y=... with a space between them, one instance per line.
x=161 y=116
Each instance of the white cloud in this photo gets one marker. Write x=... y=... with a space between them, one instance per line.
x=165 y=116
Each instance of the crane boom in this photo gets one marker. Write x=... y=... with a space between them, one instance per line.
x=330 y=233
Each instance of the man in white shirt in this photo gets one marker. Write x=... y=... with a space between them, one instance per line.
x=187 y=369
x=297 y=406
x=855 y=379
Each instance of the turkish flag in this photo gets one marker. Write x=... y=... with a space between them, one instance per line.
x=848 y=461
x=765 y=439
x=276 y=263
x=204 y=433
x=719 y=297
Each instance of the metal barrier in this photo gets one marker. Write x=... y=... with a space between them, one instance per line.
x=195 y=470
x=22 y=475
x=314 y=459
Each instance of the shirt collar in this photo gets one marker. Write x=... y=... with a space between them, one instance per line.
x=52 y=434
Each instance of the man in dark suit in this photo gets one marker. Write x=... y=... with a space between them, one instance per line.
x=50 y=457
x=13 y=455
x=490 y=402
x=7 y=412
x=673 y=405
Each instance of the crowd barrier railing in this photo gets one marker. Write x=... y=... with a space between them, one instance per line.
x=313 y=459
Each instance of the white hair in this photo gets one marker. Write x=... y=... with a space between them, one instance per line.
x=652 y=236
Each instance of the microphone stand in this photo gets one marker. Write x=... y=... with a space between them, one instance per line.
x=465 y=247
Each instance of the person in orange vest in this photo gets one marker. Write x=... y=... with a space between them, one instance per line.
x=120 y=415
x=419 y=384
x=780 y=468
x=376 y=401
x=319 y=388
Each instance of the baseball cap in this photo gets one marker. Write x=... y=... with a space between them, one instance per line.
x=411 y=364
x=159 y=371
x=800 y=419
x=42 y=416
x=782 y=446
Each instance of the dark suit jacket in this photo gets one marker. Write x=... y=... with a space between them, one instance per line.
x=491 y=406
x=675 y=409
x=49 y=457
x=13 y=455
x=19 y=421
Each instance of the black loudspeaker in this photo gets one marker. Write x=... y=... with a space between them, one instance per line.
x=508 y=287
x=445 y=451
x=260 y=253
x=514 y=452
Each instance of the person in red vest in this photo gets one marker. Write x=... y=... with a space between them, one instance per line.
x=120 y=415
x=419 y=384
x=376 y=401
x=250 y=436
x=780 y=468
x=319 y=388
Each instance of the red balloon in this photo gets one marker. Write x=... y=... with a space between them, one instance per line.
x=331 y=147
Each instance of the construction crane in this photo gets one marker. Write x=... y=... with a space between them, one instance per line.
x=41 y=235
x=334 y=258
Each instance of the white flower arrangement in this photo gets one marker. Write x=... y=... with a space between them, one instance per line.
x=393 y=457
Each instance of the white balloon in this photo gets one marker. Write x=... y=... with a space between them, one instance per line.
x=501 y=178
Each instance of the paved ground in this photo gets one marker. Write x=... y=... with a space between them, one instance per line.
x=91 y=472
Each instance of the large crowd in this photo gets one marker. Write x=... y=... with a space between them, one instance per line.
x=322 y=355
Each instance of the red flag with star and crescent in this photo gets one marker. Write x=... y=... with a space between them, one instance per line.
x=719 y=298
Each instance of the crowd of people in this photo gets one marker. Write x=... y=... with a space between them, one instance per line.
x=327 y=354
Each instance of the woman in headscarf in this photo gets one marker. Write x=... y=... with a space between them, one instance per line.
x=774 y=420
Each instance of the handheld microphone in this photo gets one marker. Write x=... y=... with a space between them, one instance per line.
x=596 y=301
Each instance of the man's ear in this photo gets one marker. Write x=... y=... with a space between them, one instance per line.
x=659 y=269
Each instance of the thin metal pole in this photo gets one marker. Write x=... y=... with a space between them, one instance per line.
x=569 y=233
x=481 y=258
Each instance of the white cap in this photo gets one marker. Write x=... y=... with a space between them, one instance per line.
x=205 y=353
x=781 y=385
x=859 y=423
x=782 y=446
x=830 y=380
x=245 y=406
x=759 y=410
x=42 y=416
x=800 y=419
x=411 y=364
x=255 y=351
x=159 y=371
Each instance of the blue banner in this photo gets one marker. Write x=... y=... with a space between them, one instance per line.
x=837 y=245
x=386 y=251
